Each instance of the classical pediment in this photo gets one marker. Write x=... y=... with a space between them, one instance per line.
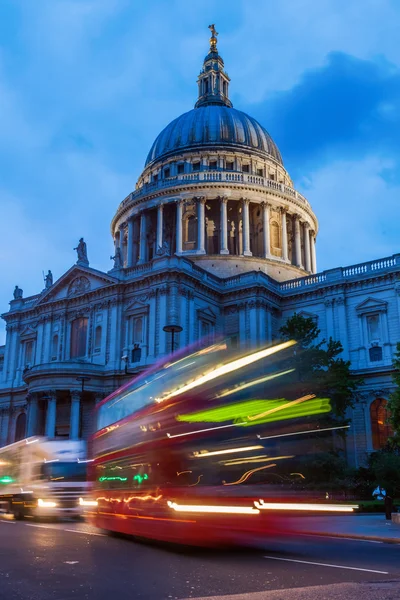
x=28 y=333
x=76 y=282
x=207 y=313
x=371 y=305
x=308 y=315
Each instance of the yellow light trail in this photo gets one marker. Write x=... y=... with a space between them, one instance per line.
x=228 y=368
x=282 y=407
x=255 y=459
x=252 y=383
x=246 y=475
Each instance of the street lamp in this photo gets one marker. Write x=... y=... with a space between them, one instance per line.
x=172 y=329
x=82 y=379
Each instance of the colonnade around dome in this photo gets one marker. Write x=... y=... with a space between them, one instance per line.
x=218 y=225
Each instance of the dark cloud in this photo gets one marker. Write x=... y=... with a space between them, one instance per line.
x=347 y=109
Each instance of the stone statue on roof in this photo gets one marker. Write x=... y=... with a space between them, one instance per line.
x=18 y=293
x=48 y=280
x=82 y=253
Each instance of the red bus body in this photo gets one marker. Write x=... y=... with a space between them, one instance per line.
x=192 y=451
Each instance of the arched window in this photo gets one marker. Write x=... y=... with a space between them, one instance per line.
x=191 y=229
x=54 y=347
x=78 y=337
x=380 y=426
x=20 y=427
x=275 y=235
x=97 y=339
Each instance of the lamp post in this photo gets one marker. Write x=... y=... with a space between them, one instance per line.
x=82 y=379
x=172 y=329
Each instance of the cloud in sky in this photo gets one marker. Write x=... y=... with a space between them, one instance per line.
x=86 y=85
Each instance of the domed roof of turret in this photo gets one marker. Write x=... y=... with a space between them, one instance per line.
x=213 y=122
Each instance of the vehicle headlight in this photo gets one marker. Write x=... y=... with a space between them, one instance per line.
x=46 y=503
x=83 y=502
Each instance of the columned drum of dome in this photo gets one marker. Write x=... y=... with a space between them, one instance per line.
x=214 y=189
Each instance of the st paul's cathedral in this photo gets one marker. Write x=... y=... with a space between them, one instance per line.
x=214 y=240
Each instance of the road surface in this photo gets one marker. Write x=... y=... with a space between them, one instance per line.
x=68 y=560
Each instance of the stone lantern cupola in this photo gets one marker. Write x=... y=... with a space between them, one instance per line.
x=213 y=81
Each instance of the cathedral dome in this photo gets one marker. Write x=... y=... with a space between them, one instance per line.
x=213 y=125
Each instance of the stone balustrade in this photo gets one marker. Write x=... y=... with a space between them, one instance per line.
x=217 y=176
x=333 y=275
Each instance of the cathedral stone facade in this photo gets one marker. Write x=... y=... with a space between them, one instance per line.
x=214 y=240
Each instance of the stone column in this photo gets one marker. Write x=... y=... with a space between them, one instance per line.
x=32 y=415
x=179 y=227
x=313 y=254
x=121 y=243
x=224 y=226
x=142 y=243
x=129 y=251
x=160 y=215
x=75 y=415
x=51 y=414
x=266 y=232
x=297 y=240
x=307 y=249
x=200 y=225
x=284 y=236
x=246 y=227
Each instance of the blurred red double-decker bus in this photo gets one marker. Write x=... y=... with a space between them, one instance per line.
x=204 y=448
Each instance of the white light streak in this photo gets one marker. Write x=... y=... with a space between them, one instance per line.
x=261 y=505
x=199 y=508
x=46 y=503
x=227 y=451
x=83 y=502
x=169 y=435
x=270 y=437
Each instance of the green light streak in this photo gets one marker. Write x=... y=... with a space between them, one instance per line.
x=241 y=412
x=6 y=479
x=140 y=478
x=113 y=479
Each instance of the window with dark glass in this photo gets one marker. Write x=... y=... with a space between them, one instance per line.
x=97 y=339
x=196 y=166
x=167 y=172
x=28 y=352
x=155 y=177
x=20 y=427
x=260 y=172
x=136 y=354
x=272 y=176
x=246 y=168
x=78 y=337
x=181 y=168
x=229 y=166
x=380 y=426
x=212 y=164
x=54 y=347
x=375 y=353
x=191 y=229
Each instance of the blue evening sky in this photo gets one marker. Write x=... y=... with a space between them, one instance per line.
x=86 y=85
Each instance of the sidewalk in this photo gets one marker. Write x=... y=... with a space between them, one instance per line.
x=372 y=527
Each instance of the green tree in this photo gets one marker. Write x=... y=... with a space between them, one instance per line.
x=319 y=367
x=394 y=399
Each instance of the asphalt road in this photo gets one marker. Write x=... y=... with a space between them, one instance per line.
x=64 y=561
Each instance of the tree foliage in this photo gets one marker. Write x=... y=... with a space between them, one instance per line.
x=394 y=399
x=319 y=367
